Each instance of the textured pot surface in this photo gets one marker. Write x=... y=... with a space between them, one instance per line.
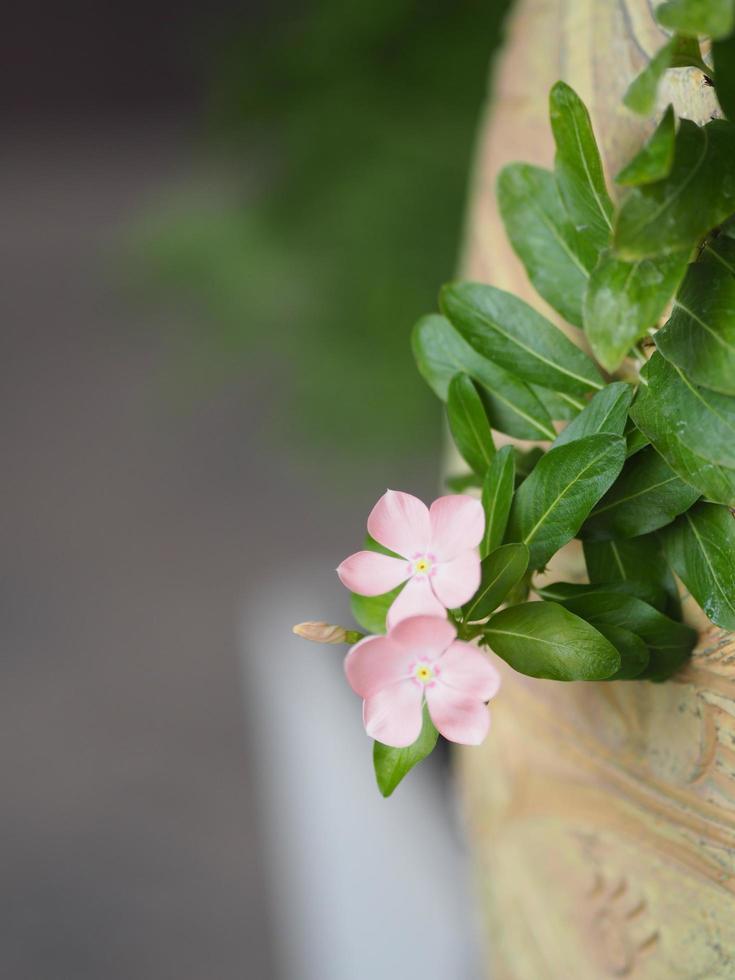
x=602 y=815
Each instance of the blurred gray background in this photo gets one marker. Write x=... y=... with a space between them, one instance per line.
x=178 y=771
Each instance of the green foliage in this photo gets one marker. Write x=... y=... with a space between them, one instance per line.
x=700 y=546
x=631 y=562
x=497 y=496
x=699 y=337
x=551 y=505
x=648 y=495
x=672 y=214
x=578 y=167
x=607 y=411
x=625 y=299
x=678 y=52
x=543 y=639
x=655 y=158
x=723 y=55
x=558 y=259
x=468 y=423
x=509 y=332
x=511 y=405
x=690 y=427
x=391 y=764
x=669 y=643
x=502 y=570
x=715 y=18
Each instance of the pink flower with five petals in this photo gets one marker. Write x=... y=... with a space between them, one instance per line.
x=440 y=561
x=421 y=659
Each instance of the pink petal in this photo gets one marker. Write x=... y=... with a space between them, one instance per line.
x=370 y=573
x=393 y=716
x=455 y=582
x=427 y=636
x=374 y=663
x=457 y=524
x=400 y=522
x=468 y=671
x=458 y=717
x=415 y=599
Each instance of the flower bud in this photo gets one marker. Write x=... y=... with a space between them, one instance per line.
x=319 y=632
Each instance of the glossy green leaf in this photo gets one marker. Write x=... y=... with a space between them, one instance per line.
x=557 y=259
x=669 y=642
x=566 y=483
x=678 y=420
x=634 y=560
x=625 y=299
x=468 y=424
x=559 y=591
x=673 y=214
x=676 y=53
x=700 y=334
x=512 y=407
x=606 y=412
x=700 y=546
x=720 y=251
x=510 y=333
x=710 y=18
x=543 y=639
x=502 y=570
x=578 y=167
x=392 y=764
x=646 y=496
x=655 y=159
x=723 y=54
x=634 y=655
x=497 y=496
x=370 y=611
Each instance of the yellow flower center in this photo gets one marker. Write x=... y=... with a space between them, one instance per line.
x=424 y=673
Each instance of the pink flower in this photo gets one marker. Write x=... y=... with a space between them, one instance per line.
x=439 y=562
x=419 y=659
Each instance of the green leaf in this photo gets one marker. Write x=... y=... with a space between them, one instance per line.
x=625 y=299
x=370 y=611
x=504 y=329
x=634 y=439
x=559 y=591
x=720 y=251
x=676 y=53
x=512 y=407
x=669 y=642
x=559 y=406
x=634 y=655
x=497 y=496
x=723 y=54
x=685 y=425
x=711 y=18
x=655 y=159
x=566 y=483
x=646 y=496
x=673 y=214
x=634 y=560
x=469 y=425
x=392 y=764
x=700 y=546
x=578 y=167
x=700 y=334
x=525 y=461
x=557 y=259
x=543 y=639
x=502 y=570
x=606 y=412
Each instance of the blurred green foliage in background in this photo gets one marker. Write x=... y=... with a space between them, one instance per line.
x=354 y=126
